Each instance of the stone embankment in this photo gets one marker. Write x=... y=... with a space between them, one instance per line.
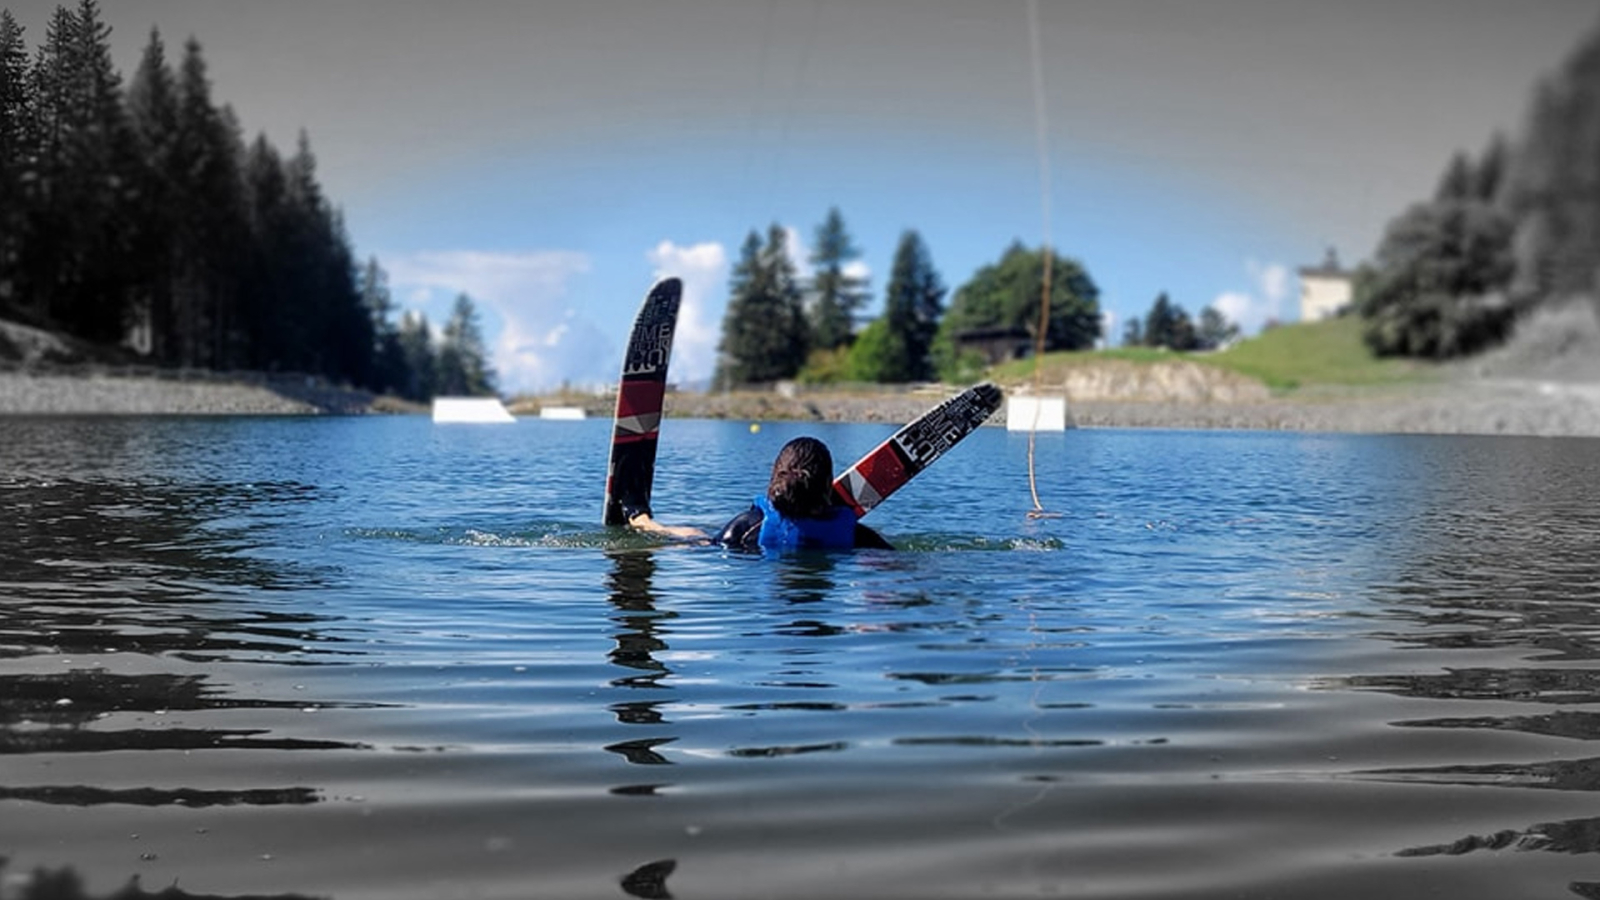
x=1546 y=382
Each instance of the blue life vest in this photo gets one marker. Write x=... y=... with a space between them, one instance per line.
x=836 y=530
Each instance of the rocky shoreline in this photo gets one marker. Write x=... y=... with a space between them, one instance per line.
x=100 y=392
x=1546 y=382
x=1471 y=406
x=1506 y=407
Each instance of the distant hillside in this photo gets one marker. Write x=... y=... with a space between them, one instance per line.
x=1329 y=352
x=1557 y=343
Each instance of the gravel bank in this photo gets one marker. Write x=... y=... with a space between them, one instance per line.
x=1500 y=407
x=1483 y=407
x=1545 y=382
x=1471 y=406
x=110 y=394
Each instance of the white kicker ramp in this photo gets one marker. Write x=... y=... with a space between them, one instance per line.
x=1036 y=414
x=470 y=409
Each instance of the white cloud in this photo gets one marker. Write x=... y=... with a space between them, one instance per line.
x=1235 y=306
x=1273 y=279
x=704 y=270
x=1263 y=301
x=536 y=339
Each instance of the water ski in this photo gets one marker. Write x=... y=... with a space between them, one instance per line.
x=631 y=470
x=914 y=447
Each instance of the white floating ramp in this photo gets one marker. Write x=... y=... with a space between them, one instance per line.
x=483 y=410
x=1036 y=414
x=565 y=413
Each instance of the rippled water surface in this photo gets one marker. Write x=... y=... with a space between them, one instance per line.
x=364 y=658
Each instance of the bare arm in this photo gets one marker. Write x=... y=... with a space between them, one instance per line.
x=643 y=522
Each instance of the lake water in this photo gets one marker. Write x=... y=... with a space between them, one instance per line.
x=379 y=658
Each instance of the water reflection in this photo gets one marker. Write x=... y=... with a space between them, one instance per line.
x=152 y=569
x=650 y=880
x=191 y=798
x=1570 y=836
x=64 y=883
x=631 y=590
x=807 y=578
x=1559 y=775
x=66 y=713
x=1497 y=559
x=74 y=698
x=1580 y=726
x=123 y=589
x=1502 y=550
x=1517 y=684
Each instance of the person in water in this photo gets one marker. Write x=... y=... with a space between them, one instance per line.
x=799 y=509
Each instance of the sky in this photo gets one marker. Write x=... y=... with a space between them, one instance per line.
x=551 y=158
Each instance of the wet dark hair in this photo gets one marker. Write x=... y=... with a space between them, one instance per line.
x=802 y=479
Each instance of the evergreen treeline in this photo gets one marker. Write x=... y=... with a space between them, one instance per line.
x=777 y=327
x=142 y=216
x=1504 y=232
x=1168 y=325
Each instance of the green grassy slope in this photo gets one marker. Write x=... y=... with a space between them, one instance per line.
x=1290 y=357
x=1315 y=353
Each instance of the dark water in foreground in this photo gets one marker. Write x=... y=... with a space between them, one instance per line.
x=379 y=658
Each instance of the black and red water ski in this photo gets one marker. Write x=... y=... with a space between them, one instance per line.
x=914 y=447
x=640 y=394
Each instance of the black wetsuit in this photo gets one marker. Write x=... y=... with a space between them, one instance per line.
x=744 y=532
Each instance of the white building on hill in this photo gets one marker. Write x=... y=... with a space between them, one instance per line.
x=1324 y=289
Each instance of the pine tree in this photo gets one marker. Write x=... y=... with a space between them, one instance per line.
x=84 y=169
x=388 y=355
x=1553 y=181
x=836 y=295
x=143 y=208
x=96 y=171
x=737 y=343
x=1489 y=176
x=416 y=347
x=304 y=307
x=265 y=314
x=14 y=92
x=462 y=361
x=307 y=304
x=1215 y=330
x=212 y=230
x=764 y=332
x=1457 y=182
x=1168 y=325
x=912 y=306
x=40 y=273
x=15 y=114
x=153 y=117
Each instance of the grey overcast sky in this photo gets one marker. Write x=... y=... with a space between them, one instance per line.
x=549 y=158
